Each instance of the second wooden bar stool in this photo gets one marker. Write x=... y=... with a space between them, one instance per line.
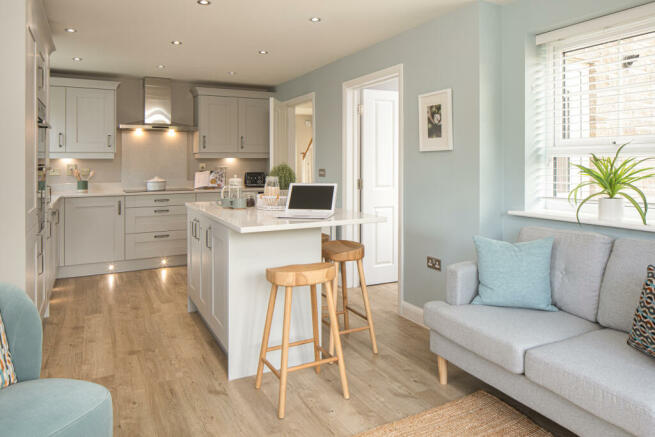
x=298 y=276
x=339 y=252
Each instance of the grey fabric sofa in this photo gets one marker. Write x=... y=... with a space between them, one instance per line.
x=573 y=366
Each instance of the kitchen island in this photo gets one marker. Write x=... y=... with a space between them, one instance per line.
x=228 y=253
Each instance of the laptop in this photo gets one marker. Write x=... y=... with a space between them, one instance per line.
x=310 y=201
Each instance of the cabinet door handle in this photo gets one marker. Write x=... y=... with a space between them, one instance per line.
x=120 y=207
x=61 y=135
x=109 y=140
x=162 y=211
x=242 y=141
x=162 y=235
x=57 y=214
x=204 y=141
x=162 y=200
x=207 y=231
x=193 y=228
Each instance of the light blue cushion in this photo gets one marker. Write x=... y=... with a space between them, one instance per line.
x=514 y=275
x=56 y=407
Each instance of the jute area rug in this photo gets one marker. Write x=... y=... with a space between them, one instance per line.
x=479 y=414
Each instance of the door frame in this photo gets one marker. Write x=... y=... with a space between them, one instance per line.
x=350 y=165
x=291 y=128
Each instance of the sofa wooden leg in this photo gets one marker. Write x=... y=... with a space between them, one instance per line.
x=443 y=370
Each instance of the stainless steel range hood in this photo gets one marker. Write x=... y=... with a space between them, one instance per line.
x=157 y=108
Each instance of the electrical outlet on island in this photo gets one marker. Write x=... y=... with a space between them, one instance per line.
x=434 y=263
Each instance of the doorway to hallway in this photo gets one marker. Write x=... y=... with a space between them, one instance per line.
x=372 y=170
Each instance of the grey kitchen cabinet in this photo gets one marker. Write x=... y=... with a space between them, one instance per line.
x=231 y=123
x=253 y=126
x=94 y=230
x=217 y=119
x=82 y=118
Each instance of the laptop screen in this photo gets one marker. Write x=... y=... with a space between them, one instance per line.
x=311 y=197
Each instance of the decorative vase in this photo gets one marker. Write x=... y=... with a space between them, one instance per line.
x=610 y=209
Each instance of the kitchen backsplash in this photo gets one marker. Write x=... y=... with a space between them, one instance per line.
x=165 y=157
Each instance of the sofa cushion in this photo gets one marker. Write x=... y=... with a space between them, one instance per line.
x=514 y=275
x=600 y=373
x=624 y=278
x=577 y=264
x=642 y=334
x=502 y=335
x=56 y=407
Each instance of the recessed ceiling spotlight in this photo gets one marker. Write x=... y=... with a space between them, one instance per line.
x=231 y=73
x=77 y=59
x=204 y=2
x=176 y=43
x=263 y=52
x=70 y=30
x=161 y=66
x=315 y=19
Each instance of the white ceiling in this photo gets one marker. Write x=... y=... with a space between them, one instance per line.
x=131 y=37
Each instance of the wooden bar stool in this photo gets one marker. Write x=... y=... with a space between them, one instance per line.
x=324 y=237
x=339 y=252
x=297 y=276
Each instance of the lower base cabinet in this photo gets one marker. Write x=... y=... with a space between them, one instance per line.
x=155 y=244
x=94 y=230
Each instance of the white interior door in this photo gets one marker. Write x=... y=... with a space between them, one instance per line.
x=279 y=132
x=379 y=193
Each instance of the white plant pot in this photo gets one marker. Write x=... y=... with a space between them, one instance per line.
x=610 y=210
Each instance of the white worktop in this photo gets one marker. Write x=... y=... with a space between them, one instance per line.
x=103 y=189
x=250 y=220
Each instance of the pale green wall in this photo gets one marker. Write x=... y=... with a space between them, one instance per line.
x=521 y=21
x=484 y=52
x=441 y=189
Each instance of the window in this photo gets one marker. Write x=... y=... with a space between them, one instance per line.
x=595 y=92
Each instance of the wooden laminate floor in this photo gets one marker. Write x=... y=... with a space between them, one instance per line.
x=131 y=333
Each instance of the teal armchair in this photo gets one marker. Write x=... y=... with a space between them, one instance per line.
x=50 y=406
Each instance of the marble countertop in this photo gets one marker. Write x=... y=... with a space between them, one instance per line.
x=251 y=220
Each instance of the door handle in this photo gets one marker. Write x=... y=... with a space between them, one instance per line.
x=242 y=141
x=204 y=141
x=60 y=139
x=162 y=235
x=162 y=200
x=162 y=211
x=207 y=231
x=120 y=207
x=109 y=140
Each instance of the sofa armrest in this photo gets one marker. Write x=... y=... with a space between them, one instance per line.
x=461 y=282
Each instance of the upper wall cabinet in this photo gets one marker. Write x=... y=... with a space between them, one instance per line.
x=231 y=123
x=83 y=118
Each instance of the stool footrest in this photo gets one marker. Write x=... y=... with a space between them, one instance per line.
x=348 y=331
x=357 y=313
x=273 y=369
x=313 y=364
x=295 y=343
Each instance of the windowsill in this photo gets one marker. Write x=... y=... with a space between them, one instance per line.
x=587 y=219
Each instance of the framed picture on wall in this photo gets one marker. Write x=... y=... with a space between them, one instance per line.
x=435 y=121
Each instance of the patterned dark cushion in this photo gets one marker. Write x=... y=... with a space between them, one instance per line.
x=7 y=373
x=642 y=335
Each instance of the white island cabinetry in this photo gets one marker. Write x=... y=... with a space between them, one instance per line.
x=228 y=254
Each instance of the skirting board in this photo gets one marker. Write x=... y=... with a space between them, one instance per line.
x=119 y=266
x=412 y=313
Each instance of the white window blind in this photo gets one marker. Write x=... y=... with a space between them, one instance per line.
x=593 y=93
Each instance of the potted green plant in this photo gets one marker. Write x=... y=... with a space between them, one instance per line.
x=615 y=181
x=285 y=175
